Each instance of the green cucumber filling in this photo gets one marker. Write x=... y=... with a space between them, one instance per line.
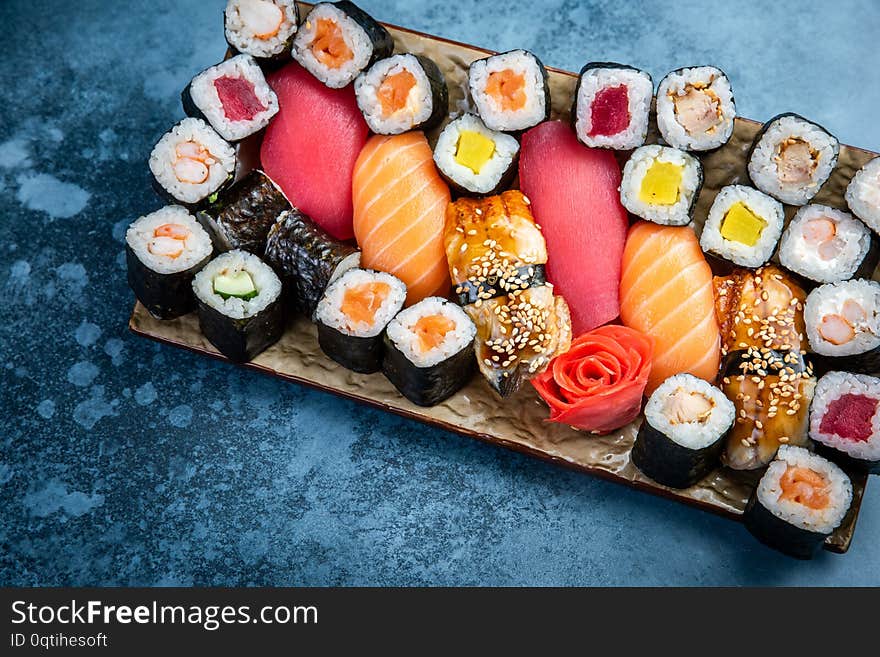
x=238 y=284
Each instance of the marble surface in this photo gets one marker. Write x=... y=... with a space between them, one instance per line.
x=126 y=462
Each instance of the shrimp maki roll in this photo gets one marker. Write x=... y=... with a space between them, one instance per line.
x=798 y=502
x=338 y=40
x=352 y=316
x=743 y=226
x=429 y=354
x=695 y=108
x=240 y=309
x=164 y=250
x=863 y=194
x=475 y=159
x=263 y=29
x=401 y=93
x=510 y=90
x=611 y=106
x=661 y=184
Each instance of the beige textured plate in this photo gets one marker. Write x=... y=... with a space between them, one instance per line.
x=518 y=423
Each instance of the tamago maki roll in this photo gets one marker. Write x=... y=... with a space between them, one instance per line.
x=510 y=90
x=475 y=159
x=743 y=226
x=263 y=29
x=611 y=106
x=661 y=184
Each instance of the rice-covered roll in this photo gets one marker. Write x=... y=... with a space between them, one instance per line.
x=352 y=315
x=241 y=216
x=191 y=161
x=798 y=502
x=233 y=96
x=743 y=226
x=791 y=158
x=338 y=40
x=863 y=194
x=510 y=90
x=429 y=353
x=474 y=159
x=240 y=310
x=164 y=250
x=682 y=435
x=401 y=93
x=661 y=184
x=823 y=244
x=611 y=106
x=263 y=29
x=843 y=325
x=695 y=108
x=845 y=420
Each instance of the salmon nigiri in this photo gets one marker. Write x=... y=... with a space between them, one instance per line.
x=399 y=211
x=666 y=292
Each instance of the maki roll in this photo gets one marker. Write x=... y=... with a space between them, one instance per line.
x=695 y=108
x=611 y=106
x=661 y=184
x=791 y=158
x=510 y=90
x=682 y=435
x=233 y=96
x=164 y=250
x=263 y=29
x=863 y=194
x=798 y=502
x=401 y=93
x=306 y=258
x=475 y=159
x=191 y=161
x=743 y=226
x=825 y=245
x=843 y=325
x=845 y=420
x=338 y=40
x=240 y=309
x=240 y=217
x=353 y=314
x=429 y=353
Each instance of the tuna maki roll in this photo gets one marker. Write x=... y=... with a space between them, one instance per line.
x=743 y=226
x=429 y=353
x=661 y=184
x=401 y=93
x=164 y=250
x=798 y=502
x=863 y=194
x=240 y=309
x=263 y=29
x=353 y=314
x=510 y=90
x=695 y=108
x=338 y=40
x=611 y=106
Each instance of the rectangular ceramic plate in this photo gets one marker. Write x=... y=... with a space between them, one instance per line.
x=519 y=423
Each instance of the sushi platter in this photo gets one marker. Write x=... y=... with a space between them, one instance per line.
x=562 y=264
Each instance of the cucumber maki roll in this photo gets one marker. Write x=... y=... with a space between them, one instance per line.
x=164 y=251
x=695 y=108
x=611 y=106
x=510 y=90
x=240 y=309
x=661 y=184
x=743 y=226
x=263 y=29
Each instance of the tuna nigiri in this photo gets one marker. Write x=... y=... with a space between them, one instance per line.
x=399 y=211
x=666 y=292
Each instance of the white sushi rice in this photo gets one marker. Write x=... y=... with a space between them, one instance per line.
x=328 y=311
x=246 y=22
x=204 y=96
x=230 y=263
x=835 y=385
x=851 y=240
x=174 y=172
x=141 y=237
x=694 y=434
x=637 y=167
x=494 y=116
x=640 y=90
x=863 y=194
x=355 y=37
x=822 y=521
x=401 y=331
x=506 y=151
x=419 y=103
x=677 y=84
x=763 y=206
x=763 y=169
x=829 y=299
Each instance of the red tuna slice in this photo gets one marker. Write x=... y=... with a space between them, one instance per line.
x=311 y=145
x=609 y=113
x=574 y=194
x=237 y=96
x=849 y=416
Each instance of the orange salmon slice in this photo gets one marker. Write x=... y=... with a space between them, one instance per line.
x=361 y=302
x=329 y=46
x=431 y=331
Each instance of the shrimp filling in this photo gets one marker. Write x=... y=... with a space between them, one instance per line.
x=850 y=416
x=821 y=234
x=169 y=240
x=329 y=46
x=686 y=406
x=661 y=184
x=508 y=88
x=192 y=162
x=805 y=486
x=238 y=98
x=742 y=225
x=360 y=302
x=394 y=92
x=841 y=328
x=796 y=161
x=609 y=111
x=263 y=19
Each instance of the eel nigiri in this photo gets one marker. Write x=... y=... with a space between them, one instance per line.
x=666 y=292
x=399 y=207
x=496 y=259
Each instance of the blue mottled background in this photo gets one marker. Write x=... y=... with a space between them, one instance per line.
x=126 y=462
